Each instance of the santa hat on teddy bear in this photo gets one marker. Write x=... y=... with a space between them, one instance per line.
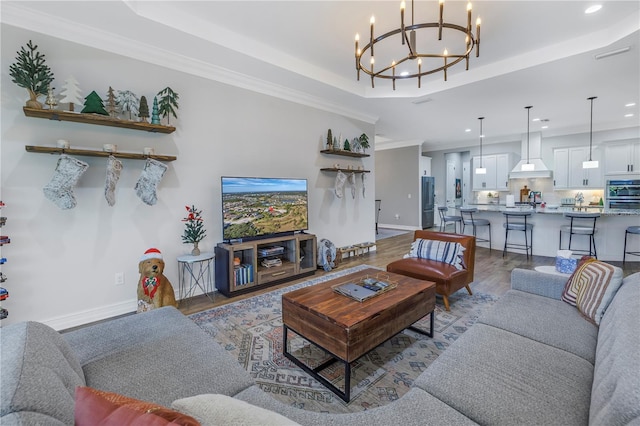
x=152 y=253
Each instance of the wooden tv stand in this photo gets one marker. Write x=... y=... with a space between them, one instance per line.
x=264 y=262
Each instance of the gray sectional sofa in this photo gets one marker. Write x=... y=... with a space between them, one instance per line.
x=531 y=360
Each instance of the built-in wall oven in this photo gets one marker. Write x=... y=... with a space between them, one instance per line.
x=623 y=194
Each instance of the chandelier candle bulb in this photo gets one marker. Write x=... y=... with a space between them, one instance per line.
x=445 y=53
x=469 y=17
x=478 y=21
x=419 y=71
x=373 y=21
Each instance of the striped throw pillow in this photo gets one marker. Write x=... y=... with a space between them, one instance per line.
x=592 y=287
x=441 y=251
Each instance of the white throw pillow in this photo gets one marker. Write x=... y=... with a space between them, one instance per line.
x=216 y=410
x=441 y=251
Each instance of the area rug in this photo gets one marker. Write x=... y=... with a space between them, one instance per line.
x=388 y=232
x=251 y=330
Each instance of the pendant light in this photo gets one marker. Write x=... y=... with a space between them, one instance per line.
x=591 y=164
x=528 y=167
x=481 y=170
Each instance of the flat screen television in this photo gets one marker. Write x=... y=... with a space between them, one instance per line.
x=255 y=207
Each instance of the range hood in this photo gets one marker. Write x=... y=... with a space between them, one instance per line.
x=540 y=170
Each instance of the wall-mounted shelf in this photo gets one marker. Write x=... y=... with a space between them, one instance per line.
x=344 y=153
x=333 y=169
x=98 y=119
x=92 y=153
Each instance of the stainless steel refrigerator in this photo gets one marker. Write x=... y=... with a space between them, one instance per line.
x=428 y=201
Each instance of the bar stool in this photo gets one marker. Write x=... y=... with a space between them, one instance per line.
x=630 y=230
x=468 y=219
x=581 y=224
x=378 y=204
x=444 y=219
x=517 y=221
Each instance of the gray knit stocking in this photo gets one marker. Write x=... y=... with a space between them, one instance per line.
x=149 y=180
x=60 y=189
x=114 y=166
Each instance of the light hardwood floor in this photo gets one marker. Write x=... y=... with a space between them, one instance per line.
x=492 y=271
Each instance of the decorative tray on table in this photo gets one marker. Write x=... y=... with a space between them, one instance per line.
x=365 y=288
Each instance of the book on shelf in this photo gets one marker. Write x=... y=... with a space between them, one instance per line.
x=243 y=274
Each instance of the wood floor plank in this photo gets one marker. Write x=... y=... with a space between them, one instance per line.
x=492 y=271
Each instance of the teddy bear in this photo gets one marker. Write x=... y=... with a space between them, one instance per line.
x=154 y=289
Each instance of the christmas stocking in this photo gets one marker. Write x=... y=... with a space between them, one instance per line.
x=149 y=180
x=341 y=178
x=352 y=181
x=114 y=166
x=60 y=188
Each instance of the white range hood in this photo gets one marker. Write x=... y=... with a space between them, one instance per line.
x=540 y=170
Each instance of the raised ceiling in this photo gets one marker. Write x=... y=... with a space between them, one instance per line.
x=538 y=53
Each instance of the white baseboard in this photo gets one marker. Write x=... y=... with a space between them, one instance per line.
x=403 y=227
x=85 y=317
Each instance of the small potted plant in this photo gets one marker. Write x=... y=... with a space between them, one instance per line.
x=194 y=230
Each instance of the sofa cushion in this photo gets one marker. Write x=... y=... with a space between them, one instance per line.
x=537 y=317
x=441 y=251
x=95 y=407
x=39 y=373
x=592 y=287
x=415 y=408
x=615 y=396
x=216 y=409
x=178 y=359
x=497 y=377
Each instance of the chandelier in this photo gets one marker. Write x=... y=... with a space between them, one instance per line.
x=408 y=37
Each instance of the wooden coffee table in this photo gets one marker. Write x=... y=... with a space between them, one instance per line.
x=348 y=329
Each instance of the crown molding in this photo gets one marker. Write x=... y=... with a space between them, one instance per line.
x=34 y=20
x=382 y=146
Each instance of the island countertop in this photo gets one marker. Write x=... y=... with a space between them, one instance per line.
x=610 y=229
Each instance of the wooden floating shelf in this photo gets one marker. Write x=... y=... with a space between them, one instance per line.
x=344 y=153
x=98 y=119
x=92 y=153
x=333 y=169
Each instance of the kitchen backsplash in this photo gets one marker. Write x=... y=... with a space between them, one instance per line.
x=545 y=186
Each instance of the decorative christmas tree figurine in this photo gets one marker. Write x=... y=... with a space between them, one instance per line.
x=128 y=101
x=51 y=98
x=93 y=104
x=329 y=140
x=168 y=103
x=112 y=103
x=71 y=93
x=347 y=147
x=31 y=73
x=155 y=117
x=194 y=230
x=143 y=112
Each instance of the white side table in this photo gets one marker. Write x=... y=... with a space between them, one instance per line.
x=195 y=272
x=550 y=269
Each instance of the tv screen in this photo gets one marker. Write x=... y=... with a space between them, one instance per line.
x=255 y=207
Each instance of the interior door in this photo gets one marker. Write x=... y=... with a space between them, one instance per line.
x=466 y=187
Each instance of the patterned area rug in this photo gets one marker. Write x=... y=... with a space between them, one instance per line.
x=251 y=330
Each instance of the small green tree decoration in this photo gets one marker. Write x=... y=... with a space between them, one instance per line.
x=143 y=112
x=155 y=117
x=347 y=146
x=329 y=140
x=32 y=73
x=168 y=103
x=93 y=104
x=364 y=141
x=194 y=230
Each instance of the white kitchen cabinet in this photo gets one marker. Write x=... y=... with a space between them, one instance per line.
x=568 y=171
x=621 y=158
x=498 y=167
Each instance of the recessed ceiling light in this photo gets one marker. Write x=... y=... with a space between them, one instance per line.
x=593 y=9
x=467 y=130
x=630 y=104
x=545 y=127
x=628 y=115
x=536 y=119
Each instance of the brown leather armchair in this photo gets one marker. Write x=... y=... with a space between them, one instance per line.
x=448 y=279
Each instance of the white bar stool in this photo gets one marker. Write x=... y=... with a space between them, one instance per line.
x=468 y=219
x=630 y=230
x=517 y=221
x=581 y=224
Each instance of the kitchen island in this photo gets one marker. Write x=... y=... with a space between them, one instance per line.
x=610 y=229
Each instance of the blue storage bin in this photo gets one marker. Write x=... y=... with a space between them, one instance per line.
x=566 y=265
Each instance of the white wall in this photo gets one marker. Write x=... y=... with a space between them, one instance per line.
x=61 y=263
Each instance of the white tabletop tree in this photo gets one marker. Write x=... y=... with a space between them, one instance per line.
x=71 y=93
